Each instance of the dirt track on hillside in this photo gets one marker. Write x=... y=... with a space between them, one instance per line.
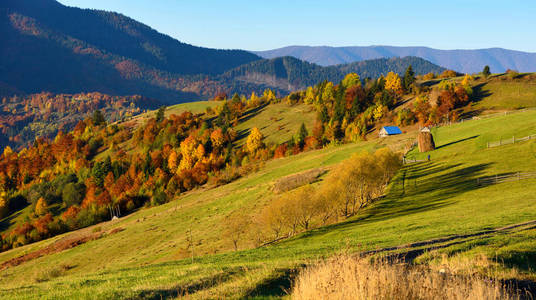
x=67 y=242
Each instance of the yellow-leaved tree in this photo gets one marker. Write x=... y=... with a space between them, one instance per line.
x=4 y=204
x=253 y=100
x=254 y=141
x=393 y=82
x=173 y=161
x=217 y=138
x=7 y=151
x=188 y=149
x=466 y=80
x=269 y=95
x=380 y=111
x=309 y=96
x=329 y=92
x=41 y=207
x=350 y=80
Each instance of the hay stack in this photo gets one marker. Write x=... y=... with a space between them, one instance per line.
x=426 y=141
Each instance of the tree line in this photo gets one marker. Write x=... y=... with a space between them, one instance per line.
x=348 y=188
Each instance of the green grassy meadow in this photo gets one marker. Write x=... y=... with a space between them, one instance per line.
x=152 y=257
x=498 y=95
x=277 y=122
x=196 y=107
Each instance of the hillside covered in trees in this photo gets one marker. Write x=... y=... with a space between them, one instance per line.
x=86 y=175
x=23 y=119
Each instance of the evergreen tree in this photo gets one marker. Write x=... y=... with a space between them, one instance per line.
x=409 y=78
x=98 y=173
x=147 y=166
x=98 y=118
x=323 y=115
x=224 y=118
x=236 y=99
x=107 y=165
x=302 y=134
x=486 y=72
x=338 y=113
x=160 y=114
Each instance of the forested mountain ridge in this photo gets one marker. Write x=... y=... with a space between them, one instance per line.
x=54 y=48
x=121 y=35
x=290 y=74
x=50 y=47
x=466 y=61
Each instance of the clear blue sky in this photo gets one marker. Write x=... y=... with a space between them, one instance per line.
x=267 y=24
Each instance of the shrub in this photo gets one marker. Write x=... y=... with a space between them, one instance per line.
x=48 y=274
x=448 y=74
x=159 y=198
x=512 y=74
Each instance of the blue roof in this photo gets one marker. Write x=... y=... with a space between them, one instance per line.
x=392 y=130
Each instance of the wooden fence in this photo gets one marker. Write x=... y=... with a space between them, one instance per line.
x=505 y=178
x=510 y=141
x=406 y=161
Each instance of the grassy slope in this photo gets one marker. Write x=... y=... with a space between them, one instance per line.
x=278 y=122
x=194 y=107
x=501 y=95
x=497 y=93
x=427 y=200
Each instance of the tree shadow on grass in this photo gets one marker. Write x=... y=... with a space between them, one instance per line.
x=275 y=286
x=252 y=113
x=409 y=194
x=241 y=134
x=479 y=93
x=187 y=289
x=458 y=141
x=8 y=221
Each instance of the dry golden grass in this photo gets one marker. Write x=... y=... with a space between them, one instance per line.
x=346 y=277
x=294 y=181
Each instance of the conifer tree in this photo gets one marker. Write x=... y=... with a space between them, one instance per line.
x=302 y=134
x=409 y=78
x=98 y=118
x=486 y=72
x=160 y=114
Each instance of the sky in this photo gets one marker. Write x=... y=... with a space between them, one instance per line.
x=269 y=24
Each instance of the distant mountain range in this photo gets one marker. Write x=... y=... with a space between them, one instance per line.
x=465 y=61
x=46 y=46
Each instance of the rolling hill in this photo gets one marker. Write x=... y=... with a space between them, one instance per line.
x=465 y=61
x=416 y=218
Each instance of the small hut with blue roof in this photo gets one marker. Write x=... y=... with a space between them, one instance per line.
x=389 y=130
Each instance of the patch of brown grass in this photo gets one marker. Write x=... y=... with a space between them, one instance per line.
x=294 y=181
x=348 y=277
